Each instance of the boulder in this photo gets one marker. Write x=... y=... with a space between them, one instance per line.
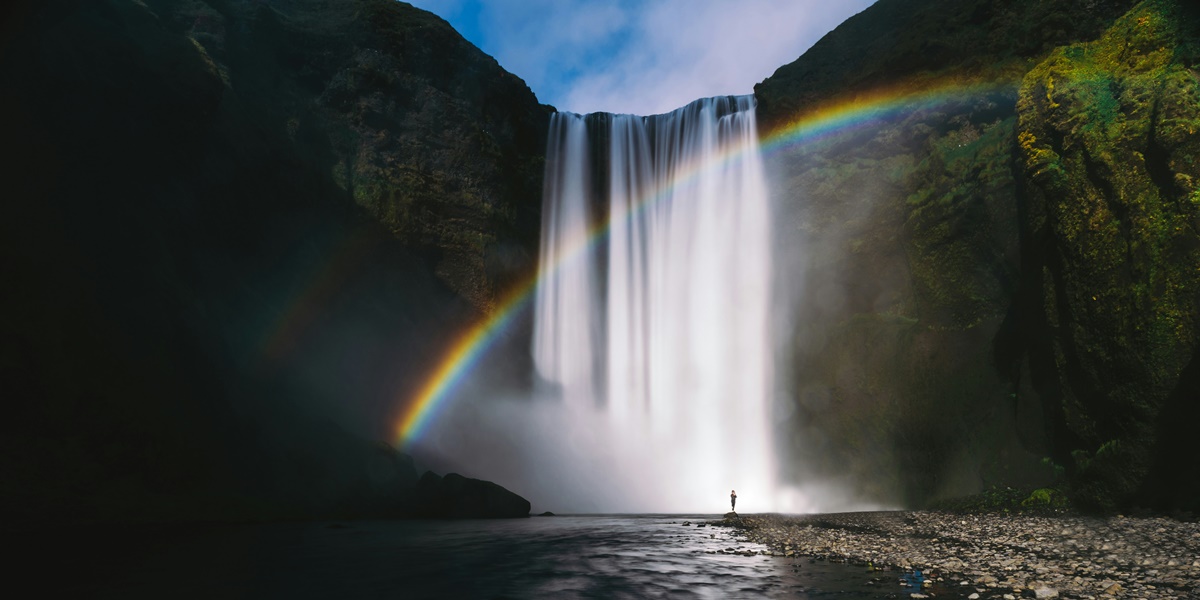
x=458 y=497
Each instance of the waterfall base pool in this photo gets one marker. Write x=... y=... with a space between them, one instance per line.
x=593 y=556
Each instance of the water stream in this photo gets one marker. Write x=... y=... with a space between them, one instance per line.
x=609 y=556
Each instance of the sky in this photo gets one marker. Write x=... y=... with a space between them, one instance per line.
x=641 y=57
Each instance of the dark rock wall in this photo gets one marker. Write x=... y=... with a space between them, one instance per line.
x=425 y=132
x=234 y=231
x=458 y=497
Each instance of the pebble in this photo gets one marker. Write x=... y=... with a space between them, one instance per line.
x=1002 y=556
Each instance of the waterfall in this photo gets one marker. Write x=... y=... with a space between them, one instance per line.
x=652 y=315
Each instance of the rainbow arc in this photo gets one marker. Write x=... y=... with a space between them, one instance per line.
x=464 y=354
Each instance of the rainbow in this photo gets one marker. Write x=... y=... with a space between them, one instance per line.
x=457 y=363
x=862 y=110
x=328 y=277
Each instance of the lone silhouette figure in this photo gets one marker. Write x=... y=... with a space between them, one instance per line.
x=732 y=499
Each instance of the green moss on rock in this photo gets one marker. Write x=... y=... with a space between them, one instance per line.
x=1040 y=237
x=1105 y=135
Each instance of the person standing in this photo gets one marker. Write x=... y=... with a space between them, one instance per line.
x=732 y=500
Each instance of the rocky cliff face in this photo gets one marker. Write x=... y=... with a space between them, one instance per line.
x=898 y=39
x=997 y=279
x=426 y=133
x=1107 y=136
x=231 y=221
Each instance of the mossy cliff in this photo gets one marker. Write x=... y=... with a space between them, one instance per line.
x=1108 y=146
x=233 y=231
x=898 y=39
x=1002 y=279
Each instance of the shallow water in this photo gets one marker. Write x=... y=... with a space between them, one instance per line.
x=643 y=556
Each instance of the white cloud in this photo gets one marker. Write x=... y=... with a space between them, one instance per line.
x=643 y=57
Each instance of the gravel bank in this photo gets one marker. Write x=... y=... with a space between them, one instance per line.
x=1001 y=556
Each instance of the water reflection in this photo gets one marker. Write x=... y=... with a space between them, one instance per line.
x=540 y=557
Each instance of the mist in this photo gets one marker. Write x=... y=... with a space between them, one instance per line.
x=576 y=460
x=888 y=383
x=657 y=357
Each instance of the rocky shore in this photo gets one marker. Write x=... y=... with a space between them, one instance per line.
x=999 y=556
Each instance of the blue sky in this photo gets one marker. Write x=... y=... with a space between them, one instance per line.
x=641 y=57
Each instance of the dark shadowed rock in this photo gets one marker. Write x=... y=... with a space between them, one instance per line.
x=238 y=218
x=458 y=497
x=1113 y=217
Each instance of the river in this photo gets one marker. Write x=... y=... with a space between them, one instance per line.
x=588 y=556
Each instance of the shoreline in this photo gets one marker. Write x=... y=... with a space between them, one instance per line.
x=999 y=556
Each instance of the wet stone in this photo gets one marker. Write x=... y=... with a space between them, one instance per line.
x=1017 y=555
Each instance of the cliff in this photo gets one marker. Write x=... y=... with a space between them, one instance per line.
x=237 y=230
x=1107 y=148
x=994 y=277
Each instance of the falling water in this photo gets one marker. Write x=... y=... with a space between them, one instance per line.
x=655 y=336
